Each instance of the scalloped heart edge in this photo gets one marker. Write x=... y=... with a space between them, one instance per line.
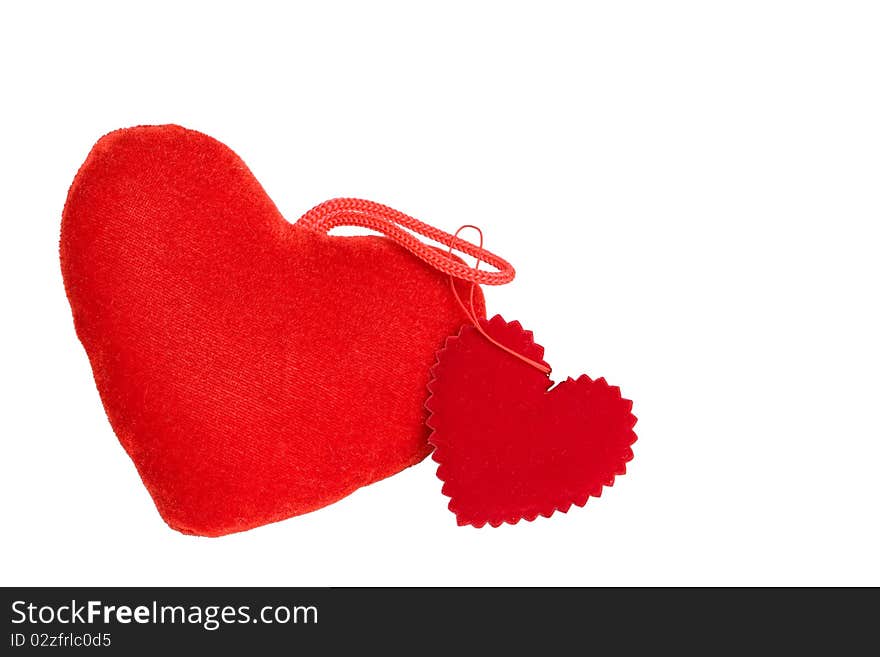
x=565 y=502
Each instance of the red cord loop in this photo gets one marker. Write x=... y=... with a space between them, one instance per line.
x=395 y=225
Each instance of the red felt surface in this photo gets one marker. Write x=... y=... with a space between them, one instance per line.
x=253 y=369
x=507 y=448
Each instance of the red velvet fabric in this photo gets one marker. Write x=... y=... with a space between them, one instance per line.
x=507 y=448
x=253 y=369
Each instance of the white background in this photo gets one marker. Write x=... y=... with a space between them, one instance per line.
x=690 y=192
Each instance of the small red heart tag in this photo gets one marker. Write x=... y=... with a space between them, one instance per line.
x=510 y=447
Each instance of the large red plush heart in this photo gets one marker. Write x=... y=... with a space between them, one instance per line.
x=507 y=447
x=253 y=369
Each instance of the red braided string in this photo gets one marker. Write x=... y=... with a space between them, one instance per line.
x=396 y=225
